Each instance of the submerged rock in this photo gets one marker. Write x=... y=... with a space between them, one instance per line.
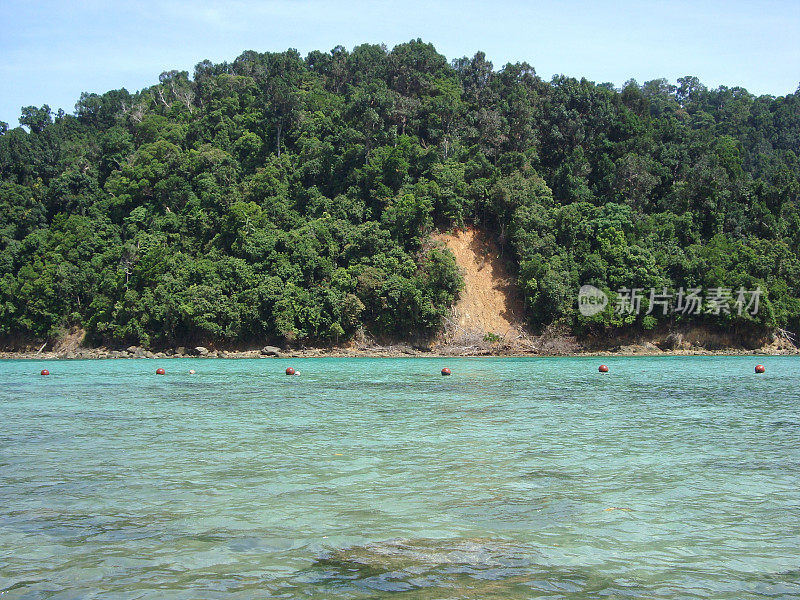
x=420 y=555
x=489 y=569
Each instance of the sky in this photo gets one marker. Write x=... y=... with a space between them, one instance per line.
x=51 y=51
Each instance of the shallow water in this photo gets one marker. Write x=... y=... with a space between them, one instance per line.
x=675 y=477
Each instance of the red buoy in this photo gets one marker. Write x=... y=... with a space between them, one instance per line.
x=761 y=369
x=290 y=370
x=446 y=371
x=160 y=371
x=603 y=369
x=45 y=372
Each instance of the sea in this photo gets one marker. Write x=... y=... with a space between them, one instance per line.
x=667 y=477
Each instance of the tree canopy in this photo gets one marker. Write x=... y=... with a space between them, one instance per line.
x=278 y=196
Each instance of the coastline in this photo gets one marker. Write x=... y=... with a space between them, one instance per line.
x=694 y=341
x=394 y=351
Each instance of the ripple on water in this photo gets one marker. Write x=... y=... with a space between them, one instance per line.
x=514 y=478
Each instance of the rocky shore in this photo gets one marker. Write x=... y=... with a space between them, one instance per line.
x=693 y=341
x=391 y=351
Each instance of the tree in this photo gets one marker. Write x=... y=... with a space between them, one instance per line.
x=36 y=119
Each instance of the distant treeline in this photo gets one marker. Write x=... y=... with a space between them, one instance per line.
x=278 y=196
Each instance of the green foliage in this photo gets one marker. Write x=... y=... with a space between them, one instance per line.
x=283 y=197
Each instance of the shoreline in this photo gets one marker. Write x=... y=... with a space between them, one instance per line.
x=382 y=352
x=552 y=342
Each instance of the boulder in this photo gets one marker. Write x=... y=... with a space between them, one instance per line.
x=201 y=351
x=270 y=351
x=673 y=341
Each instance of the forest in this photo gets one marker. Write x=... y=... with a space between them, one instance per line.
x=290 y=198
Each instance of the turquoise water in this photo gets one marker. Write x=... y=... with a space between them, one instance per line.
x=672 y=477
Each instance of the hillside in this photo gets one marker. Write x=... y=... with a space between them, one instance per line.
x=489 y=305
x=285 y=199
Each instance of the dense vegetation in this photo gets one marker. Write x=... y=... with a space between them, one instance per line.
x=277 y=196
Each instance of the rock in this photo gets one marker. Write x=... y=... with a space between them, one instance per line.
x=180 y=350
x=201 y=351
x=271 y=351
x=631 y=349
x=674 y=341
x=149 y=354
x=160 y=355
x=133 y=349
x=418 y=555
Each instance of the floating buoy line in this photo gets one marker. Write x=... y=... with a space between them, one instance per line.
x=445 y=371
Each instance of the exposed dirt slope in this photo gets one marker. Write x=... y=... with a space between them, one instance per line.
x=70 y=341
x=490 y=302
